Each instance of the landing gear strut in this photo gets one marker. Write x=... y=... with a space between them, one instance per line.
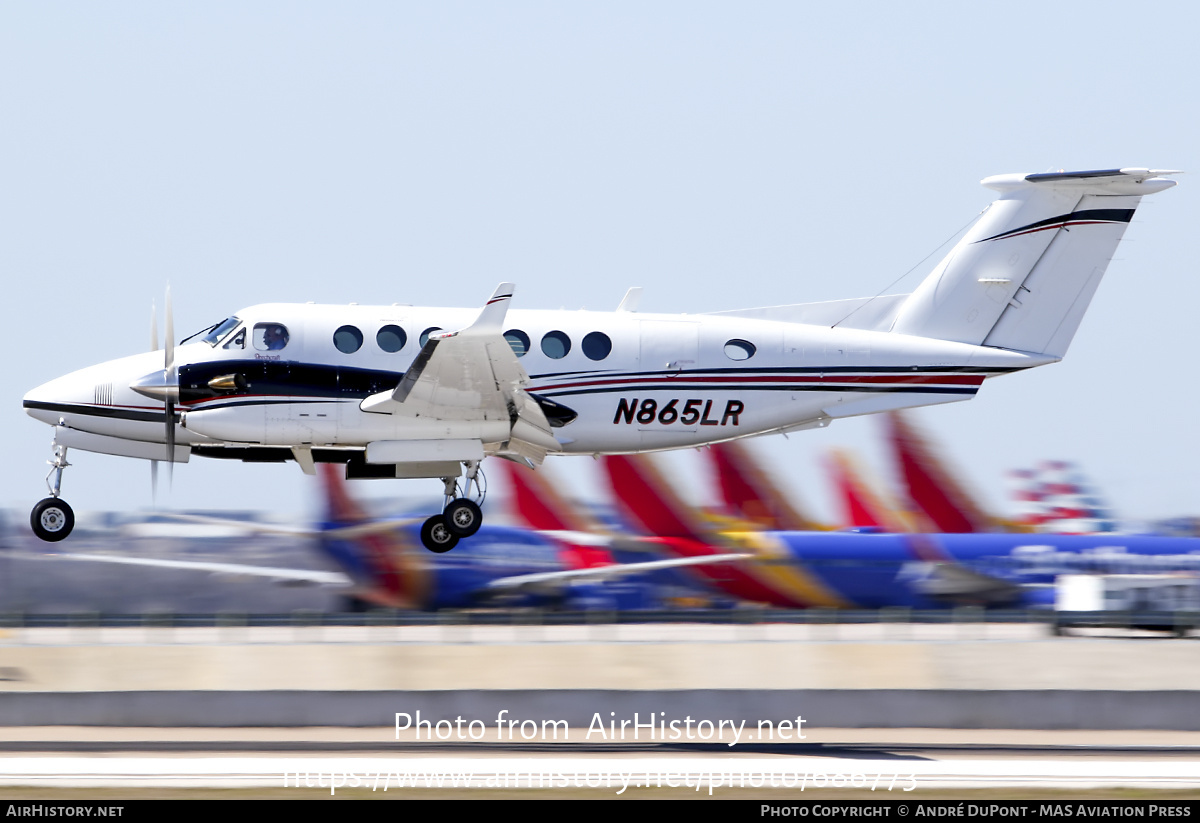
x=461 y=516
x=52 y=519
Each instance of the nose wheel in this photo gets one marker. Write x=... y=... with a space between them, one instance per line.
x=52 y=519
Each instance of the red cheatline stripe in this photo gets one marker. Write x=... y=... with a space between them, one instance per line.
x=892 y=379
x=1061 y=225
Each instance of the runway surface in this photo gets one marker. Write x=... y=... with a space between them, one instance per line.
x=893 y=760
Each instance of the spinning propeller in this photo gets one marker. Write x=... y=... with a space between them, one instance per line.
x=163 y=386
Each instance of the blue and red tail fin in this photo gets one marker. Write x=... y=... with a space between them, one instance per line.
x=647 y=499
x=751 y=495
x=537 y=503
x=863 y=507
x=940 y=500
x=384 y=564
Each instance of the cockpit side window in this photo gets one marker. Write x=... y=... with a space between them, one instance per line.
x=220 y=330
x=237 y=341
x=270 y=336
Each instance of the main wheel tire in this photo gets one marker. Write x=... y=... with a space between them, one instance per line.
x=463 y=517
x=436 y=535
x=52 y=519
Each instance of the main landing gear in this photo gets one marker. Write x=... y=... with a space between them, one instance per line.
x=52 y=519
x=461 y=516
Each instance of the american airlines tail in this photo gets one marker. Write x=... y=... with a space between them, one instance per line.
x=1054 y=498
x=1023 y=275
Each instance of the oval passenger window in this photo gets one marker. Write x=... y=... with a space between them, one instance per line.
x=739 y=349
x=597 y=345
x=519 y=341
x=556 y=344
x=348 y=339
x=391 y=339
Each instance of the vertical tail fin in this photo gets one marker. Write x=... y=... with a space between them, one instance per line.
x=646 y=498
x=751 y=495
x=1023 y=275
x=863 y=507
x=1056 y=499
x=932 y=489
x=384 y=563
x=538 y=505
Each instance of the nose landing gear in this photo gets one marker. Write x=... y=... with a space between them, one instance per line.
x=52 y=519
x=461 y=516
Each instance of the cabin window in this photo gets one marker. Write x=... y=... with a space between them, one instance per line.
x=556 y=344
x=739 y=349
x=425 y=334
x=597 y=345
x=519 y=341
x=270 y=336
x=391 y=339
x=348 y=339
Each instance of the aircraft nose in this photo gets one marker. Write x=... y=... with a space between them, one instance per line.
x=48 y=401
x=92 y=393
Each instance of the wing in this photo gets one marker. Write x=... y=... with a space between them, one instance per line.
x=465 y=391
x=336 y=532
x=608 y=572
x=312 y=576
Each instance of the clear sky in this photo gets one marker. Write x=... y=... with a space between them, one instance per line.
x=721 y=155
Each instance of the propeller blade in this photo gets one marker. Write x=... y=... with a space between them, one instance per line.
x=170 y=443
x=169 y=342
x=153 y=326
x=169 y=376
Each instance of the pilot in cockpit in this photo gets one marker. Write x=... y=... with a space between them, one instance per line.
x=275 y=337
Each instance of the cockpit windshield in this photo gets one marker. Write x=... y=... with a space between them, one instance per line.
x=214 y=335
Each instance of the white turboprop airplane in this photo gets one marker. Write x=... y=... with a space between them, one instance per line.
x=391 y=393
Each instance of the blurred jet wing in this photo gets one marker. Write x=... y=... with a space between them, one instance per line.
x=609 y=572
x=313 y=576
x=472 y=377
x=342 y=532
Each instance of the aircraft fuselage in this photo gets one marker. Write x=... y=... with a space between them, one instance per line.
x=639 y=383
